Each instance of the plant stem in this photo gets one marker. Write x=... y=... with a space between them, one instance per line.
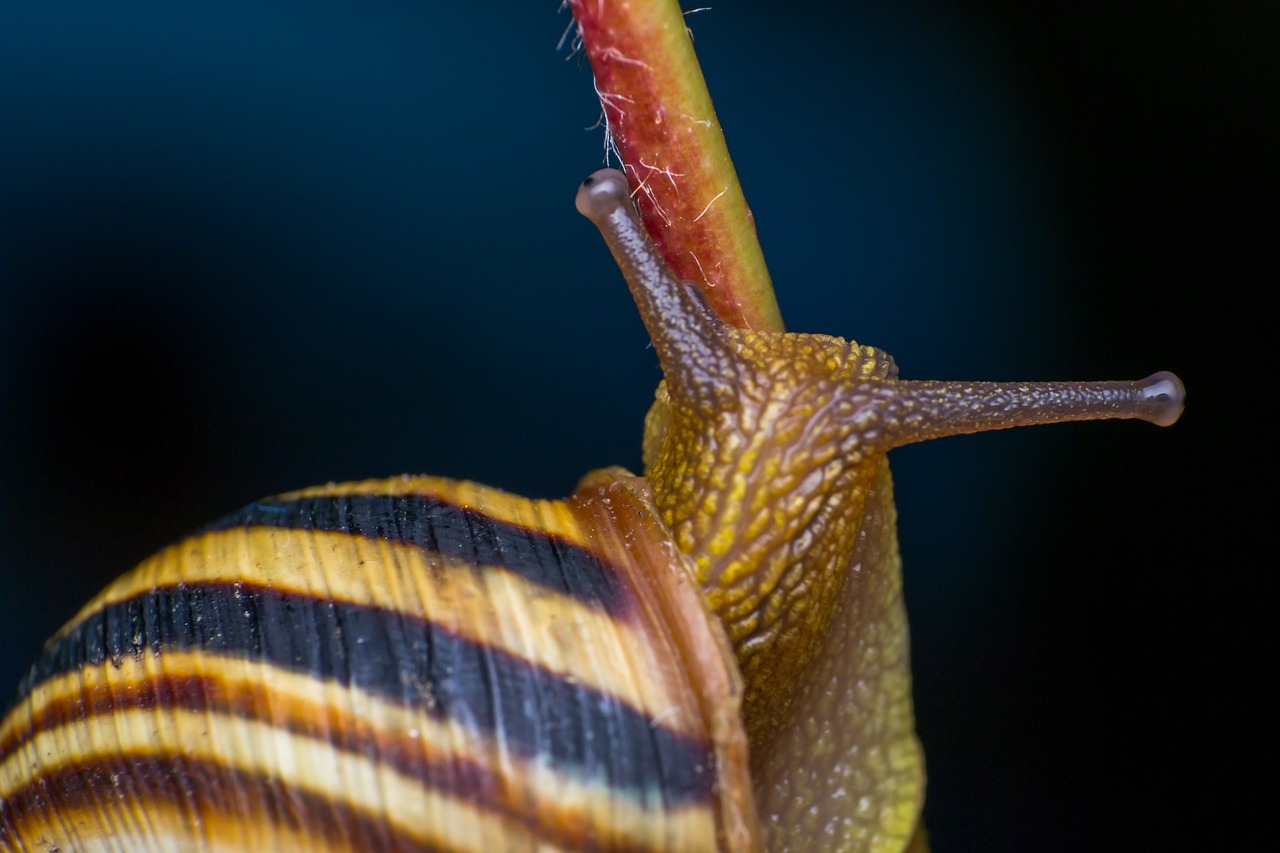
x=663 y=127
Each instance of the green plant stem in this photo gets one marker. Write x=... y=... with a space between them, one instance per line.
x=662 y=124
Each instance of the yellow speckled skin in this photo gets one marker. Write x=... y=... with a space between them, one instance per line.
x=768 y=501
x=810 y=591
x=846 y=766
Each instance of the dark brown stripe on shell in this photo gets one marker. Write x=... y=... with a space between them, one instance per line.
x=588 y=735
x=202 y=789
x=435 y=525
x=454 y=774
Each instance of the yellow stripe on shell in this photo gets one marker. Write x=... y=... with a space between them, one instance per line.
x=167 y=831
x=532 y=791
x=487 y=605
x=545 y=516
x=306 y=764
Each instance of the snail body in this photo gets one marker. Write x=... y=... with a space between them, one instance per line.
x=712 y=656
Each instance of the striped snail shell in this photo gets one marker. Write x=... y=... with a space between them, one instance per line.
x=711 y=657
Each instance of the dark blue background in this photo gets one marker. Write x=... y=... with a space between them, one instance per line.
x=247 y=247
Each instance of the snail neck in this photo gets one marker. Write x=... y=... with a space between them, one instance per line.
x=764 y=489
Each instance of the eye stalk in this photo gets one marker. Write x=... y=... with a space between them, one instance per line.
x=915 y=411
x=698 y=351
x=687 y=335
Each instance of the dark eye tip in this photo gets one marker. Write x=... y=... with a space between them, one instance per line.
x=601 y=193
x=1163 y=398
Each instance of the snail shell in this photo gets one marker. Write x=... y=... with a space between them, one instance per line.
x=405 y=664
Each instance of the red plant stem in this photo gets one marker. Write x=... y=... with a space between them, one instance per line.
x=662 y=124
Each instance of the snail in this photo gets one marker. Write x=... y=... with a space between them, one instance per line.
x=709 y=657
